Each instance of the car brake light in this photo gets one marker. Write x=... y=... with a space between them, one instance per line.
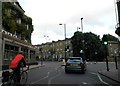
x=82 y=65
x=67 y=64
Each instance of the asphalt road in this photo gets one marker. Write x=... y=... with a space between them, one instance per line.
x=53 y=74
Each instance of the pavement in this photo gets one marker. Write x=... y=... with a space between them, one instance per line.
x=111 y=74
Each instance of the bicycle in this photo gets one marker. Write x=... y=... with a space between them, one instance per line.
x=12 y=78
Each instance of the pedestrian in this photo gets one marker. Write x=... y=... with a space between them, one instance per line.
x=18 y=62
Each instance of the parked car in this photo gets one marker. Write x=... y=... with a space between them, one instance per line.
x=75 y=64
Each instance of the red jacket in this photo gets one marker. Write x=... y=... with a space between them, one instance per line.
x=14 y=63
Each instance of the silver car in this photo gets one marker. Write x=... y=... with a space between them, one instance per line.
x=75 y=64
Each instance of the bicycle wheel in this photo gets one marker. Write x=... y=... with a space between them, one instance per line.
x=13 y=80
x=24 y=77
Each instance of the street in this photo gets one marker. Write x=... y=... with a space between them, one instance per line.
x=53 y=37
x=53 y=73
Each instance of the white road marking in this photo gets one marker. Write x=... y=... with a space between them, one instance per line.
x=47 y=77
x=49 y=82
x=101 y=79
x=84 y=83
x=41 y=78
x=57 y=68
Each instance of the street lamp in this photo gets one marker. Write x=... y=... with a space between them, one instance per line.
x=65 y=38
x=82 y=24
x=83 y=38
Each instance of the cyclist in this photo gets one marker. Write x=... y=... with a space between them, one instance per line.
x=18 y=62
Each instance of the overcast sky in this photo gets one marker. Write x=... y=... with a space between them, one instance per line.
x=98 y=17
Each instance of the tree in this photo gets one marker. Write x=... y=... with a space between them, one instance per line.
x=77 y=43
x=9 y=21
x=91 y=45
x=108 y=37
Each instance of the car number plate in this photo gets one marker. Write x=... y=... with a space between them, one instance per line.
x=73 y=64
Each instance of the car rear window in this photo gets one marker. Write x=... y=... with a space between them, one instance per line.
x=74 y=60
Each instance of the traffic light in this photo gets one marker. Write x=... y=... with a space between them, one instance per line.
x=67 y=47
x=105 y=43
x=40 y=49
x=105 y=39
x=118 y=31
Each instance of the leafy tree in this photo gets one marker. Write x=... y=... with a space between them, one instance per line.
x=108 y=37
x=9 y=16
x=91 y=45
x=77 y=43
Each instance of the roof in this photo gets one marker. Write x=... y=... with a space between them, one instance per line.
x=19 y=6
x=113 y=42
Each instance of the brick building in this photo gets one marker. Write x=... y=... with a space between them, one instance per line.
x=15 y=33
x=55 y=50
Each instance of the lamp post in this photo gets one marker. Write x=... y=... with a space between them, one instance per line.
x=82 y=24
x=83 y=38
x=65 y=38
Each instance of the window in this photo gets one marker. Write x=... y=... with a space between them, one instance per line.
x=60 y=43
x=27 y=26
x=18 y=21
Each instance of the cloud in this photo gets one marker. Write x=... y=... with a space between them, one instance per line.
x=99 y=17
